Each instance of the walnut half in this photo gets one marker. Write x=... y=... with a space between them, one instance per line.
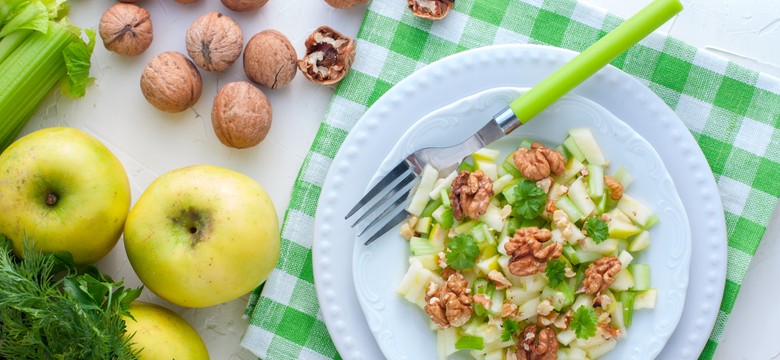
x=538 y=162
x=431 y=9
x=529 y=255
x=470 y=196
x=543 y=346
x=600 y=274
x=329 y=56
x=449 y=304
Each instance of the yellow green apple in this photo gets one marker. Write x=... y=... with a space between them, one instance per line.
x=202 y=235
x=65 y=191
x=160 y=333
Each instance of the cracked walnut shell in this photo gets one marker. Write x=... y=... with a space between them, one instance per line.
x=171 y=82
x=126 y=29
x=329 y=56
x=528 y=253
x=241 y=115
x=431 y=9
x=538 y=162
x=449 y=304
x=270 y=59
x=470 y=194
x=600 y=274
x=214 y=41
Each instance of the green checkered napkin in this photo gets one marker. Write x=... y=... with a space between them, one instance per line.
x=733 y=112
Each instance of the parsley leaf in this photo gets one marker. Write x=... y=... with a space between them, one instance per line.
x=510 y=328
x=583 y=321
x=529 y=199
x=556 y=272
x=597 y=229
x=463 y=252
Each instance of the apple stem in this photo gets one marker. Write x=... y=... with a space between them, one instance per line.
x=51 y=199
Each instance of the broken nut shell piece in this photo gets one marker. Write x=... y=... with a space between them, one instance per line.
x=329 y=56
x=431 y=9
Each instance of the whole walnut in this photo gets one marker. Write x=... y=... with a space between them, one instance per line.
x=329 y=56
x=270 y=59
x=214 y=41
x=186 y=1
x=343 y=4
x=126 y=29
x=243 y=5
x=241 y=115
x=171 y=82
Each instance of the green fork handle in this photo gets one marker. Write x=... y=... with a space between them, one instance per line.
x=592 y=59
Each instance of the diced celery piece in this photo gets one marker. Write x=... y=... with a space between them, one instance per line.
x=624 y=177
x=578 y=195
x=469 y=342
x=445 y=342
x=447 y=219
x=595 y=181
x=496 y=301
x=584 y=139
x=518 y=295
x=565 y=204
x=421 y=246
x=512 y=225
x=641 y=274
x=423 y=225
x=494 y=355
x=509 y=192
x=627 y=299
x=570 y=254
x=509 y=166
x=582 y=300
x=465 y=226
x=467 y=164
x=573 y=167
x=571 y=146
x=525 y=143
x=585 y=256
x=651 y=221
x=636 y=211
x=482 y=234
x=601 y=205
x=445 y=198
x=565 y=337
x=489 y=168
x=430 y=207
x=645 y=299
x=620 y=226
x=624 y=280
x=420 y=197
x=561 y=297
x=486 y=154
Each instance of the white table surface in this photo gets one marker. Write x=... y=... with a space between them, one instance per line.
x=150 y=142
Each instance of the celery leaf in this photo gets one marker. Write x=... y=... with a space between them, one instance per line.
x=77 y=60
x=35 y=16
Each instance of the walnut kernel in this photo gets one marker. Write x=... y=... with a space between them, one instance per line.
x=538 y=162
x=449 y=304
x=431 y=9
x=529 y=255
x=171 y=82
x=214 y=41
x=241 y=115
x=126 y=29
x=600 y=274
x=615 y=187
x=543 y=346
x=470 y=196
x=243 y=5
x=329 y=56
x=270 y=59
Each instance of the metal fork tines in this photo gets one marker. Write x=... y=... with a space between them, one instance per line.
x=383 y=207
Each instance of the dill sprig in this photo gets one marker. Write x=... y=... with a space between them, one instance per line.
x=50 y=309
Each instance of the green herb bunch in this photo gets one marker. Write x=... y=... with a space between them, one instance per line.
x=50 y=309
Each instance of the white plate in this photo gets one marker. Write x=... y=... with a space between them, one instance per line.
x=467 y=73
x=378 y=268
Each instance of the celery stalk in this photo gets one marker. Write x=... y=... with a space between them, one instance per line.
x=9 y=43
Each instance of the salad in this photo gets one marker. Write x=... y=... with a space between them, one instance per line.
x=529 y=255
